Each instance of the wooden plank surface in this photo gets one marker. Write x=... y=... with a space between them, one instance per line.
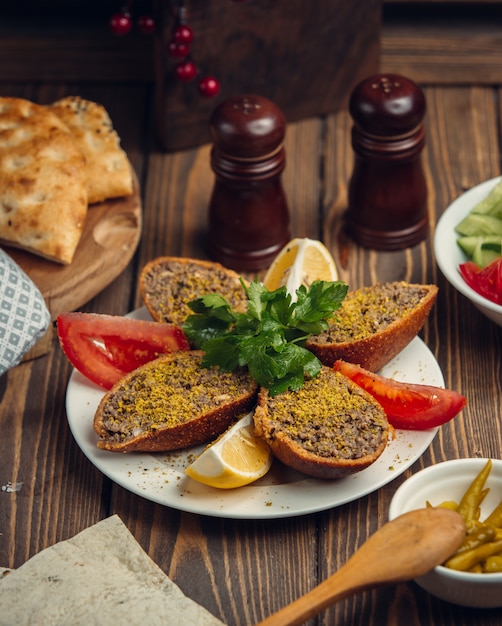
x=447 y=45
x=243 y=570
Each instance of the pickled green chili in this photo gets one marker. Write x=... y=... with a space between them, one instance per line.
x=471 y=501
x=495 y=517
x=476 y=538
x=493 y=564
x=464 y=561
x=481 y=551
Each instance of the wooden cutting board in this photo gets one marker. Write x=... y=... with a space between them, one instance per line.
x=111 y=235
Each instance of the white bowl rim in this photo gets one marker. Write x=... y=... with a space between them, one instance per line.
x=490 y=577
x=444 y=229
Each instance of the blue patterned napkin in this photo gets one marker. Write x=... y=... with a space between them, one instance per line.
x=24 y=317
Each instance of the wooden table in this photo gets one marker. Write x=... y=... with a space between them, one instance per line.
x=243 y=570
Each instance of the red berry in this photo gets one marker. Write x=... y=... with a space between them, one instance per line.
x=146 y=24
x=178 y=50
x=186 y=71
x=183 y=34
x=120 y=23
x=209 y=86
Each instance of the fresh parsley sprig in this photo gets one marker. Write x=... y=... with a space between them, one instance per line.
x=269 y=338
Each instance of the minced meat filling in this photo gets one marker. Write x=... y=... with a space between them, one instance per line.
x=171 y=392
x=169 y=288
x=371 y=309
x=330 y=417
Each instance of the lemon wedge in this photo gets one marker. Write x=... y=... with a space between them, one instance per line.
x=300 y=262
x=235 y=459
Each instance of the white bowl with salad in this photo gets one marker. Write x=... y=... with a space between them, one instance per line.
x=468 y=246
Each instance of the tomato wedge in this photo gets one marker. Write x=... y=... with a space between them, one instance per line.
x=408 y=406
x=487 y=281
x=106 y=347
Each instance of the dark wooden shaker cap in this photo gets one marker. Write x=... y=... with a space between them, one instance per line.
x=387 y=192
x=248 y=212
x=247 y=127
x=387 y=105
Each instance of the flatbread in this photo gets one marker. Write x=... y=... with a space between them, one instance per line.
x=109 y=173
x=43 y=187
x=100 y=576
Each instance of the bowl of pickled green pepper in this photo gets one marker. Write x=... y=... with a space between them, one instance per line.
x=472 y=576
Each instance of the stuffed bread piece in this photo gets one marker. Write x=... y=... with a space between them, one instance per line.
x=171 y=403
x=168 y=284
x=374 y=324
x=330 y=428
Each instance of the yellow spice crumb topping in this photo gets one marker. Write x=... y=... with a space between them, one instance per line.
x=329 y=416
x=370 y=309
x=170 y=392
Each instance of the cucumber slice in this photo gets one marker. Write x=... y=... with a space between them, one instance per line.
x=468 y=244
x=492 y=204
x=486 y=242
x=492 y=243
x=479 y=225
x=481 y=249
x=487 y=251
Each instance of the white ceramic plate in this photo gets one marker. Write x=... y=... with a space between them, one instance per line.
x=448 y=253
x=282 y=492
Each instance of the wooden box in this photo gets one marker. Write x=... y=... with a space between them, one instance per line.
x=304 y=55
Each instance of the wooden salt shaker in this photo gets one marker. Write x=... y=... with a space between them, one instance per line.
x=248 y=212
x=387 y=194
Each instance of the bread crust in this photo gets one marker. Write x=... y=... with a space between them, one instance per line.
x=376 y=349
x=108 y=171
x=285 y=421
x=43 y=192
x=168 y=283
x=148 y=400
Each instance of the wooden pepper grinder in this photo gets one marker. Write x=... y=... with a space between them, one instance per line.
x=387 y=194
x=248 y=212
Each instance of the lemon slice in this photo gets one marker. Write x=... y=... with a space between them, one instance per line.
x=235 y=459
x=301 y=261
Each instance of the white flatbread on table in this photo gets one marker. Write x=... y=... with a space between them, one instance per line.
x=43 y=185
x=108 y=170
x=100 y=576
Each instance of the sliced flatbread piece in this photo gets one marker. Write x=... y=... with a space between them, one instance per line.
x=43 y=188
x=100 y=576
x=109 y=173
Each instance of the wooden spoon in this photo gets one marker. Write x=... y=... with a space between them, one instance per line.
x=408 y=546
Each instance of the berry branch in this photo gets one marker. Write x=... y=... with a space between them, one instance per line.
x=178 y=47
x=121 y=22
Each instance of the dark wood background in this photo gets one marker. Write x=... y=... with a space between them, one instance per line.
x=450 y=41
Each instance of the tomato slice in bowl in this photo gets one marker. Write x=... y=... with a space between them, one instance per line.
x=485 y=281
x=409 y=406
x=106 y=347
